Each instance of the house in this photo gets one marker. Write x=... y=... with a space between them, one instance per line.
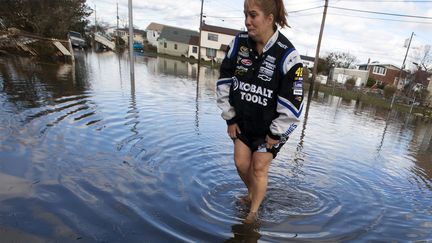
x=111 y=30
x=214 y=41
x=175 y=41
x=341 y=75
x=307 y=61
x=429 y=89
x=154 y=30
x=139 y=35
x=385 y=74
x=193 y=47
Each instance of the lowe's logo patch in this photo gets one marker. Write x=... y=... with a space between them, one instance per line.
x=246 y=62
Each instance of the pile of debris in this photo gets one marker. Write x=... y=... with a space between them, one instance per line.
x=19 y=43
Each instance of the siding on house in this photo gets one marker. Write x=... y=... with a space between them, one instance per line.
x=429 y=88
x=173 y=48
x=175 y=41
x=214 y=40
x=341 y=75
x=193 y=47
x=153 y=32
x=139 y=35
x=307 y=61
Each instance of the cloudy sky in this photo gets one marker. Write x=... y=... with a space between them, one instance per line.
x=375 y=29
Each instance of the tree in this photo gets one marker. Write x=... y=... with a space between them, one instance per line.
x=322 y=67
x=50 y=18
x=340 y=60
x=423 y=57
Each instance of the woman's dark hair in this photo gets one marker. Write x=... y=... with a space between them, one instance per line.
x=275 y=7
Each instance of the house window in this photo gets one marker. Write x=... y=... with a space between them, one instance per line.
x=379 y=70
x=212 y=37
x=175 y=46
x=194 y=49
x=211 y=53
x=154 y=35
x=165 y=45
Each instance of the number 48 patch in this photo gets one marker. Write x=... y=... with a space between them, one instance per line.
x=299 y=72
x=298 y=85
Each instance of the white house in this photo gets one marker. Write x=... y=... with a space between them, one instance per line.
x=175 y=41
x=429 y=88
x=193 y=47
x=139 y=35
x=154 y=30
x=307 y=61
x=341 y=75
x=214 y=41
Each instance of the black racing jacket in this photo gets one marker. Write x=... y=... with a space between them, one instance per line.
x=263 y=94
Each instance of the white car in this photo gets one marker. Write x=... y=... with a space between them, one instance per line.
x=76 y=39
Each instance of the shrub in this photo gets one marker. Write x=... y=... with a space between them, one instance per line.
x=371 y=82
x=389 y=90
x=350 y=83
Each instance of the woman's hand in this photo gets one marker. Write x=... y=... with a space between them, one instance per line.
x=270 y=142
x=232 y=130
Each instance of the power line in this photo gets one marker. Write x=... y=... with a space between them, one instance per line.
x=394 y=20
x=289 y=12
x=382 y=13
x=386 y=1
x=304 y=10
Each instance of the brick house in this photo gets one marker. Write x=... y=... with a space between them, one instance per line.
x=385 y=74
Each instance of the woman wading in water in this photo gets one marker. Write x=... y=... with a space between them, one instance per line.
x=260 y=93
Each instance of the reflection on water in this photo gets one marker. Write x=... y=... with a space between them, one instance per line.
x=89 y=154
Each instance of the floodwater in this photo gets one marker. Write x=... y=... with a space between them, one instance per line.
x=89 y=155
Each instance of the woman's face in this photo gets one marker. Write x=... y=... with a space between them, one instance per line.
x=257 y=23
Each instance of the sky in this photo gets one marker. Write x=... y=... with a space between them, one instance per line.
x=350 y=25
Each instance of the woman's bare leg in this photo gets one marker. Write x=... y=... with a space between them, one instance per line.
x=242 y=158
x=259 y=179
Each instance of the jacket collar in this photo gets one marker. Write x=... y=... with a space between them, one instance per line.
x=271 y=41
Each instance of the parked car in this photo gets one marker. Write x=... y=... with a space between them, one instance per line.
x=138 y=46
x=77 y=40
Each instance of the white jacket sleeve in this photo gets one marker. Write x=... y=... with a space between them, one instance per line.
x=290 y=97
x=226 y=79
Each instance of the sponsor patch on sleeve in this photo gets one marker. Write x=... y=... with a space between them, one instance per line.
x=298 y=92
x=298 y=88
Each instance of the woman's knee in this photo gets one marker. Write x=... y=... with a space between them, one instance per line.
x=260 y=172
x=242 y=156
x=261 y=166
x=241 y=163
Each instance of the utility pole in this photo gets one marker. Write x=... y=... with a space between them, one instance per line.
x=95 y=30
x=315 y=69
x=95 y=20
x=402 y=68
x=131 y=57
x=117 y=33
x=200 y=27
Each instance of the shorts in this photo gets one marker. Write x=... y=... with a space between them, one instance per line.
x=259 y=144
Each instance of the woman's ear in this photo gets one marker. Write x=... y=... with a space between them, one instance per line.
x=271 y=18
